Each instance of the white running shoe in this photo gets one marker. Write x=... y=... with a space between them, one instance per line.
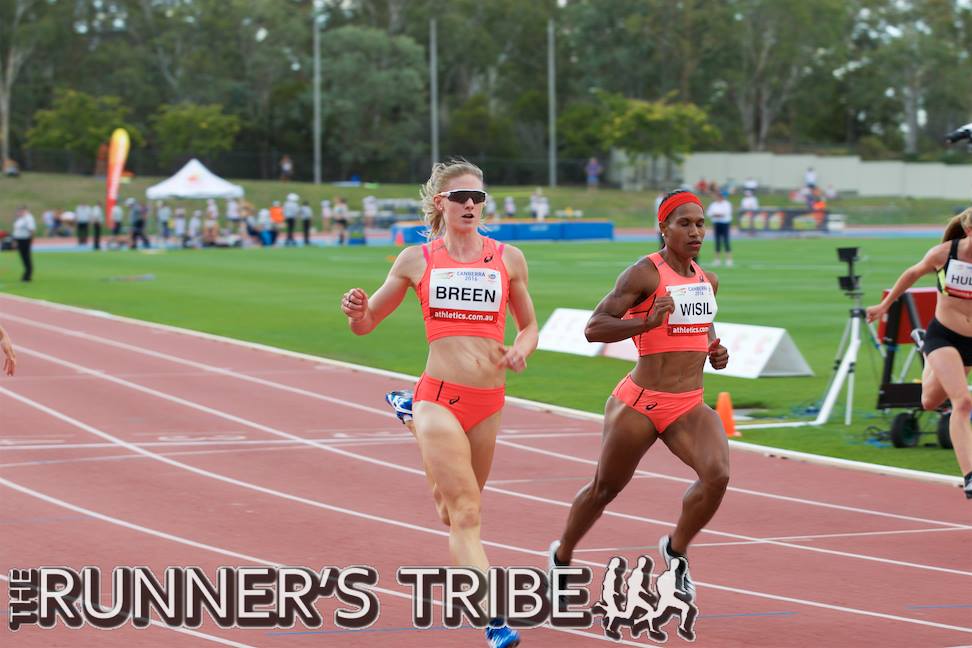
x=558 y=604
x=664 y=548
x=551 y=552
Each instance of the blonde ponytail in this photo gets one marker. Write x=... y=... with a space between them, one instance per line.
x=442 y=173
x=957 y=226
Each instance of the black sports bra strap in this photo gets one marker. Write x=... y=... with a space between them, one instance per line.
x=953 y=251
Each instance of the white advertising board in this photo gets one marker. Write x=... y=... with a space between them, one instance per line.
x=754 y=351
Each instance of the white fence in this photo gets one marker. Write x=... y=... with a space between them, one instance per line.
x=847 y=174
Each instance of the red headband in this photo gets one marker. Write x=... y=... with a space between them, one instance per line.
x=676 y=201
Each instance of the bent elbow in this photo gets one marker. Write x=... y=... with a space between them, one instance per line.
x=590 y=332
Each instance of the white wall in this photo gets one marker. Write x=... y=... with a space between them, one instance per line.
x=847 y=174
x=881 y=179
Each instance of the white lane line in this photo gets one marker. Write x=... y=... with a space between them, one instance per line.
x=386 y=413
x=261 y=561
x=648 y=473
x=696 y=545
x=186 y=631
x=329 y=363
x=241 y=556
x=215 y=412
x=337 y=439
x=183 y=453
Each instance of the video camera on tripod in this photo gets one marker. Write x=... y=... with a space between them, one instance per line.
x=960 y=134
x=849 y=283
x=850 y=342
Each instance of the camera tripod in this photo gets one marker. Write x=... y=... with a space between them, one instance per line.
x=846 y=360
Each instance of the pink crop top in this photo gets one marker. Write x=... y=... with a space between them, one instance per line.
x=464 y=298
x=687 y=327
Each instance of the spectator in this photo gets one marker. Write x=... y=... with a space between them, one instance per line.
x=720 y=213
x=210 y=231
x=233 y=215
x=23 y=234
x=117 y=216
x=50 y=223
x=701 y=186
x=543 y=208
x=82 y=216
x=136 y=217
x=593 y=169
x=535 y=199
x=212 y=210
x=819 y=208
x=491 y=213
x=286 y=168
x=276 y=213
x=306 y=214
x=751 y=185
x=509 y=207
x=10 y=168
x=810 y=179
x=97 y=220
x=164 y=214
x=65 y=222
x=117 y=227
x=291 y=208
x=341 y=219
x=268 y=228
x=252 y=225
x=749 y=202
x=810 y=196
x=327 y=215
x=369 y=208
x=179 y=227
x=195 y=229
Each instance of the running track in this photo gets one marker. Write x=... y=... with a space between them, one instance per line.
x=124 y=443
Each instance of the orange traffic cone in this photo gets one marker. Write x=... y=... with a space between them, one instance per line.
x=724 y=410
x=400 y=238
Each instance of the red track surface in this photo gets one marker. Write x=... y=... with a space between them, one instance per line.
x=889 y=562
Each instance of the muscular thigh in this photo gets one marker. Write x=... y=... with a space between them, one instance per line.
x=482 y=444
x=949 y=373
x=627 y=436
x=698 y=439
x=445 y=448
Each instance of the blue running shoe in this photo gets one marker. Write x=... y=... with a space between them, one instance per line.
x=401 y=401
x=502 y=637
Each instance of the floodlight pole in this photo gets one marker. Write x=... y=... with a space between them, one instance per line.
x=317 y=97
x=552 y=103
x=434 y=90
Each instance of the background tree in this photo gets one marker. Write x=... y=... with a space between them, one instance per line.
x=477 y=132
x=770 y=49
x=660 y=128
x=879 y=77
x=374 y=97
x=25 y=25
x=80 y=123
x=190 y=130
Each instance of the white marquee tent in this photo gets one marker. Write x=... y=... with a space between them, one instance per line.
x=194 y=181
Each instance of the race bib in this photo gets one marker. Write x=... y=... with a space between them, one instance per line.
x=958 y=279
x=695 y=309
x=465 y=294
